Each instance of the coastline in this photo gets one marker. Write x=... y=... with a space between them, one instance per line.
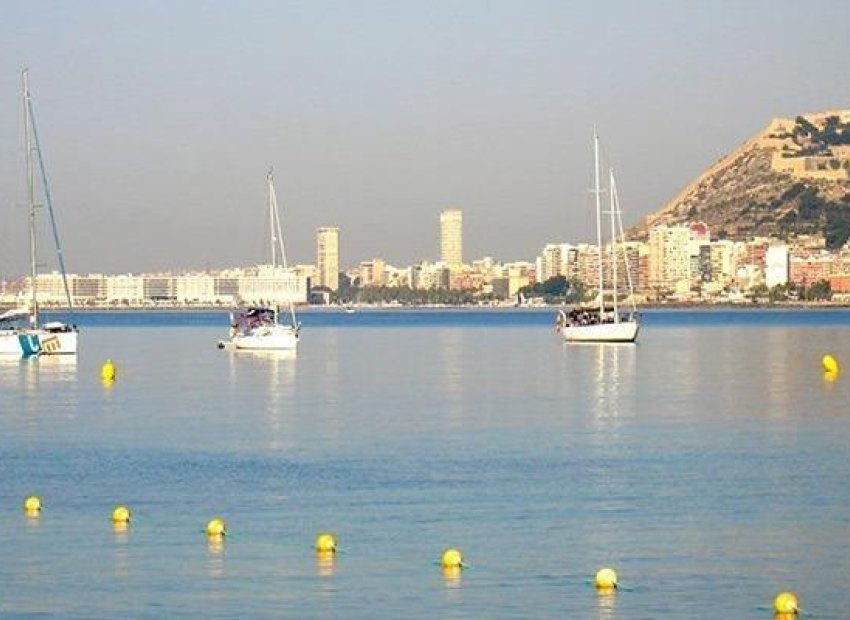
x=332 y=309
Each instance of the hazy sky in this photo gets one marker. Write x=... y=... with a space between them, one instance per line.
x=159 y=119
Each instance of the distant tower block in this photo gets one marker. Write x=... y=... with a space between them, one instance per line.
x=327 y=257
x=451 y=237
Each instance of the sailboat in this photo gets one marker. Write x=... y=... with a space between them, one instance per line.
x=260 y=328
x=21 y=330
x=604 y=323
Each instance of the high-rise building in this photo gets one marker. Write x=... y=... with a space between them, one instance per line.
x=451 y=237
x=327 y=257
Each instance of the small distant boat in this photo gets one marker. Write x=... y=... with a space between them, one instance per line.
x=603 y=323
x=260 y=328
x=21 y=332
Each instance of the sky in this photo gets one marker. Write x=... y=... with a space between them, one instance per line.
x=158 y=120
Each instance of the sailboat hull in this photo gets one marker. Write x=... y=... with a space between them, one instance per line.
x=57 y=343
x=626 y=331
x=267 y=338
x=29 y=342
x=10 y=343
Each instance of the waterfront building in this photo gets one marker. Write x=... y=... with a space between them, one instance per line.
x=272 y=284
x=195 y=288
x=51 y=289
x=327 y=257
x=160 y=289
x=555 y=260
x=429 y=276
x=670 y=257
x=125 y=289
x=373 y=273
x=776 y=260
x=451 y=237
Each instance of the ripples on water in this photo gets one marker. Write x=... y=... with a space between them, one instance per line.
x=707 y=464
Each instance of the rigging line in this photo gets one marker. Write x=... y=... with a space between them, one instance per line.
x=48 y=199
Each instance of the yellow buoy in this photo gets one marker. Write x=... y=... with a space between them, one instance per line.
x=216 y=528
x=606 y=579
x=326 y=543
x=107 y=371
x=786 y=603
x=830 y=364
x=121 y=514
x=452 y=558
x=32 y=504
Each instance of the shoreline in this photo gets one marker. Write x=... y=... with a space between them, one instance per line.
x=447 y=308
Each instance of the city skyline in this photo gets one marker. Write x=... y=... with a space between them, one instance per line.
x=375 y=116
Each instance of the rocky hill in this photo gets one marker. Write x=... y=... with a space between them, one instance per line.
x=793 y=178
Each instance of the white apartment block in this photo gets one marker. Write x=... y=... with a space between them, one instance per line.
x=777 y=269
x=670 y=257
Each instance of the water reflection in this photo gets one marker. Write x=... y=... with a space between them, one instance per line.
x=122 y=556
x=452 y=576
x=215 y=556
x=606 y=604
x=614 y=369
x=325 y=563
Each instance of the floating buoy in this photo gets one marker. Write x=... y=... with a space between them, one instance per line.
x=32 y=505
x=326 y=543
x=107 y=371
x=216 y=528
x=786 y=603
x=452 y=558
x=606 y=579
x=121 y=514
x=830 y=364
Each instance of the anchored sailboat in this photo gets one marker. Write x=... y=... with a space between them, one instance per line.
x=21 y=330
x=260 y=328
x=604 y=323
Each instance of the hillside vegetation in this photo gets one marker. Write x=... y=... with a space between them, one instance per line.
x=790 y=179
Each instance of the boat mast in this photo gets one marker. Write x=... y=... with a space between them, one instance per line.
x=614 y=282
x=598 y=191
x=272 y=229
x=30 y=193
x=33 y=144
x=277 y=239
x=272 y=223
x=622 y=238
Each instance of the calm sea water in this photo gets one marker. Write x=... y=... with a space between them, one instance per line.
x=708 y=465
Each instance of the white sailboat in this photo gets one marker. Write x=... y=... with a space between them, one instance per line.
x=604 y=323
x=21 y=330
x=261 y=328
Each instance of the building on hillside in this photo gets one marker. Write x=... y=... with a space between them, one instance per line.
x=669 y=257
x=776 y=265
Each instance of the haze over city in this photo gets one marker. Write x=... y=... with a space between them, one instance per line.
x=158 y=121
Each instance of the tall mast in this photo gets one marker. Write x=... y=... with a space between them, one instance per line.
x=272 y=223
x=32 y=145
x=25 y=93
x=622 y=237
x=614 y=281
x=277 y=238
x=597 y=190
